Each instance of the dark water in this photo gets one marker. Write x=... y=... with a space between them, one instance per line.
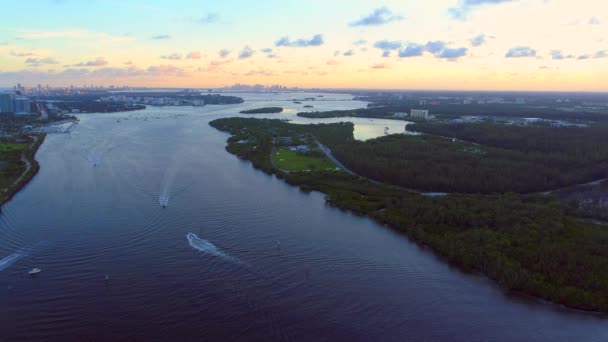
x=266 y=261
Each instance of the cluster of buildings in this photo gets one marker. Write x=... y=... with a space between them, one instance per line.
x=153 y=100
x=256 y=88
x=14 y=104
x=416 y=114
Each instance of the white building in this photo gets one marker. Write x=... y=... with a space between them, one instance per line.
x=400 y=115
x=419 y=113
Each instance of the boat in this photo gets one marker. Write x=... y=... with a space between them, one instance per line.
x=34 y=271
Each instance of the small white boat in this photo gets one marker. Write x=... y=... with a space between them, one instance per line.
x=34 y=271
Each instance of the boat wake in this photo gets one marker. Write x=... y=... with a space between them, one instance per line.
x=208 y=248
x=163 y=200
x=11 y=259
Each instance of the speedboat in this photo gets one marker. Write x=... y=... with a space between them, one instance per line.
x=34 y=271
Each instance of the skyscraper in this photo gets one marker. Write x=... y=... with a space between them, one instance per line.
x=7 y=103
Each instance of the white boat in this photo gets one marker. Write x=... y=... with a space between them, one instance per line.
x=34 y=271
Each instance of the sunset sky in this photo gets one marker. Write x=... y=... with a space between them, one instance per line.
x=406 y=44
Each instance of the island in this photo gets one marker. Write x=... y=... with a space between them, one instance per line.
x=264 y=110
x=529 y=243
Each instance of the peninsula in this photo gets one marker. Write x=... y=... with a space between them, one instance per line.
x=531 y=244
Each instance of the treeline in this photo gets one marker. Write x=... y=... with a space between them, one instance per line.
x=457 y=110
x=15 y=168
x=493 y=159
x=97 y=107
x=216 y=99
x=526 y=243
x=264 y=110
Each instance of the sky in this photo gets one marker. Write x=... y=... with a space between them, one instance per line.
x=543 y=45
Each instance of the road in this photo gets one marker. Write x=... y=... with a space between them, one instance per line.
x=331 y=157
x=28 y=164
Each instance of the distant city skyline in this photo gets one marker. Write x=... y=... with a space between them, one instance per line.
x=538 y=45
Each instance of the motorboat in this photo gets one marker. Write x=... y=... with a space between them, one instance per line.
x=34 y=271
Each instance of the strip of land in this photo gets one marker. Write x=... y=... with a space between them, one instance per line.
x=531 y=244
x=19 y=165
x=265 y=110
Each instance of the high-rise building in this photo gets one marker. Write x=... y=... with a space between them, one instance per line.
x=22 y=105
x=7 y=103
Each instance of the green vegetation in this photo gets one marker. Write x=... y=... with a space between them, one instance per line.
x=456 y=110
x=217 y=99
x=6 y=147
x=291 y=161
x=526 y=243
x=14 y=173
x=97 y=106
x=265 y=110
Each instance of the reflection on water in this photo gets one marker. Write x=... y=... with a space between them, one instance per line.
x=333 y=276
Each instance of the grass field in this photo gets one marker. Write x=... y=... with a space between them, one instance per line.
x=4 y=147
x=293 y=162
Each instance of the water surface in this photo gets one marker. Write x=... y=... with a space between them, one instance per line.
x=235 y=254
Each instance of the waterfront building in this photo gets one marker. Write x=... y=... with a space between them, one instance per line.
x=419 y=113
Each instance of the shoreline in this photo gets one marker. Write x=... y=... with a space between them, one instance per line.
x=29 y=157
x=470 y=250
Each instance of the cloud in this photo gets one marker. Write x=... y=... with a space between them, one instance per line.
x=72 y=34
x=584 y=57
x=453 y=54
x=260 y=72
x=348 y=53
x=388 y=45
x=360 y=42
x=438 y=48
x=99 y=61
x=173 y=57
x=435 y=47
x=128 y=63
x=594 y=21
x=379 y=16
x=224 y=53
x=33 y=61
x=557 y=55
x=209 y=18
x=464 y=7
x=21 y=54
x=316 y=40
x=411 y=50
x=266 y=50
x=600 y=54
x=246 y=53
x=162 y=36
x=380 y=66
x=165 y=70
x=478 y=40
x=193 y=55
x=332 y=62
x=520 y=51
x=75 y=75
x=215 y=65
